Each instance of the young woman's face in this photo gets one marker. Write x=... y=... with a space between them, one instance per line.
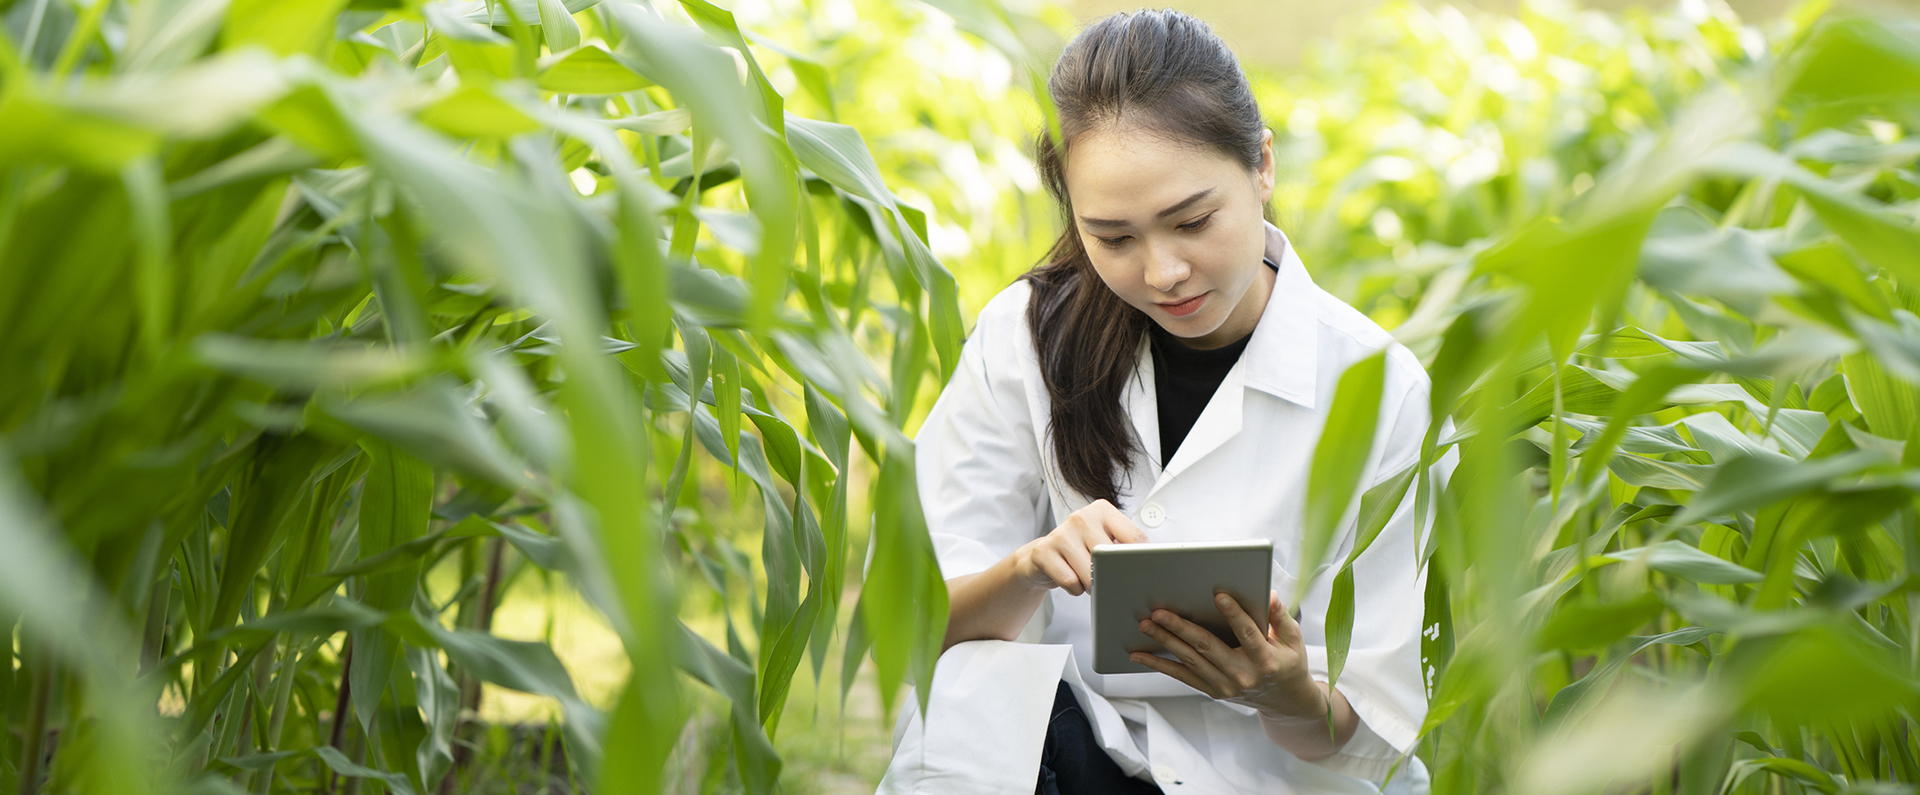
x=1175 y=230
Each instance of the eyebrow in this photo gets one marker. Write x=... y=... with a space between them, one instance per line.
x=1177 y=207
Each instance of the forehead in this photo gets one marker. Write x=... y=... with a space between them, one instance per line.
x=1127 y=173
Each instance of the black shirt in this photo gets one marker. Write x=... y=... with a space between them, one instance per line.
x=1184 y=379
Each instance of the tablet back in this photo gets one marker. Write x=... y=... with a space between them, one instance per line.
x=1130 y=581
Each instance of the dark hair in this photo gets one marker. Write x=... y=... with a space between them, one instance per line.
x=1155 y=72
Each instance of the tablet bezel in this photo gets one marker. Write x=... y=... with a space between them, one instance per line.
x=1179 y=576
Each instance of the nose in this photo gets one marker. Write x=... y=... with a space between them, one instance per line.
x=1166 y=270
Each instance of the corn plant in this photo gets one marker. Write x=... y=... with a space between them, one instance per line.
x=308 y=301
x=1661 y=272
x=326 y=321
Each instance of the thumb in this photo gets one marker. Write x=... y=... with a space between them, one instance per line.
x=1280 y=623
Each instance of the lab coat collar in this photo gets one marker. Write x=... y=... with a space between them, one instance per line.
x=1218 y=423
x=1282 y=358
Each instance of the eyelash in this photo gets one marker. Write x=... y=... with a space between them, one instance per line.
x=1191 y=226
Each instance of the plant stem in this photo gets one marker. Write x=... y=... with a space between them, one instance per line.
x=6 y=676
x=282 y=695
x=153 y=638
x=43 y=678
x=340 y=707
x=469 y=686
x=496 y=550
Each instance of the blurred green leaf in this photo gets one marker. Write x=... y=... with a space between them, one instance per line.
x=1584 y=625
x=1339 y=458
x=1747 y=483
x=587 y=70
x=1686 y=562
x=308 y=365
x=474 y=112
x=558 y=26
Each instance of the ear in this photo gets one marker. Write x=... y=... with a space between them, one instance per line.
x=1265 y=175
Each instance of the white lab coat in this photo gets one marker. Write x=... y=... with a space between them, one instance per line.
x=988 y=485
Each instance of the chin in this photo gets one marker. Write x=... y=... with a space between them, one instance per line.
x=1190 y=328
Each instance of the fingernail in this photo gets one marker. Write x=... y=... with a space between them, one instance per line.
x=1222 y=599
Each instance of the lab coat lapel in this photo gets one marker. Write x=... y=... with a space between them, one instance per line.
x=1279 y=360
x=1219 y=422
x=1282 y=358
x=1143 y=408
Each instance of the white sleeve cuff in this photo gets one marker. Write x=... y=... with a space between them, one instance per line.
x=1378 y=743
x=960 y=556
x=1366 y=756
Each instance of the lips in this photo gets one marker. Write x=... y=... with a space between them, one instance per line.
x=1184 y=308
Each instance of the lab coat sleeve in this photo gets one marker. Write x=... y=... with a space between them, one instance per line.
x=979 y=472
x=1382 y=676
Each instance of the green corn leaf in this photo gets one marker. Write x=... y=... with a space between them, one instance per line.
x=1339 y=624
x=557 y=26
x=1377 y=506
x=1581 y=697
x=61 y=606
x=303 y=365
x=1747 y=483
x=1825 y=673
x=1339 y=458
x=277 y=480
x=1787 y=769
x=588 y=70
x=1686 y=562
x=1854 y=59
x=475 y=112
x=396 y=509
x=1891 y=406
x=1585 y=625
x=726 y=404
x=904 y=602
x=527 y=667
x=430 y=422
x=1654 y=473
x=340 y=764
x=284 y=28
x=760 y=765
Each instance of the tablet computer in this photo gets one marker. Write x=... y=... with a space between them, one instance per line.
x=1130 y=581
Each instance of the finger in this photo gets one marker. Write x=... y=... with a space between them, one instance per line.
x=1258 y=647
x=1081 y=560
x=1057 y=568
x=1090 y=532
x=1175 y=670
x=1280 y=623
x=1118 y=527
x=1195 y=659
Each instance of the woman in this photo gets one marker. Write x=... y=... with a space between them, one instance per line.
x=1163 y=376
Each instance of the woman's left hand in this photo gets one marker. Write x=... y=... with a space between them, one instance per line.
x=1267 y=672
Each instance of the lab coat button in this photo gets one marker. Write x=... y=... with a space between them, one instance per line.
x=1165 y=775
x=1152 y=514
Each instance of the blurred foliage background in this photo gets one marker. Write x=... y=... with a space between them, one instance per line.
x=515 y=397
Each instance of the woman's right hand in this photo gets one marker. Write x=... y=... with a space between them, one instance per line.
x=1064 y=557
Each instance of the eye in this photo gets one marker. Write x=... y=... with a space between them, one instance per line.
x=1113 y=242
x=1197 y=224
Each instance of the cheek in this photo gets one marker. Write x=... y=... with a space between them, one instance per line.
x=1110 y=271
x=1120 y=273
